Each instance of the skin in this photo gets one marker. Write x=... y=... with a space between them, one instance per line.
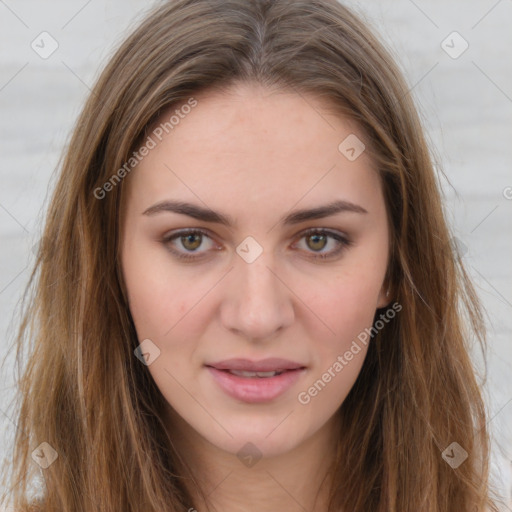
x=255 y=155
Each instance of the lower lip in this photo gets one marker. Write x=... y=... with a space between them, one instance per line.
x=256 y=389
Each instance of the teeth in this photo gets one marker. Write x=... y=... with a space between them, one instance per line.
x=242 y=373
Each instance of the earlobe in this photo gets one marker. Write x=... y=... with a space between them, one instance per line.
x=384 y=297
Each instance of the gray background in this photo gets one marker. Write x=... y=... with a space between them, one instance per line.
x=465 y=104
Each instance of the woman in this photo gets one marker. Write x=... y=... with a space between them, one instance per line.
x=246 y=294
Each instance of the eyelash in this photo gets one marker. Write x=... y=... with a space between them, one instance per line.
x=343 y=242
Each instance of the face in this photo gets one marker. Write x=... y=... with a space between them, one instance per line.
x=234 y=265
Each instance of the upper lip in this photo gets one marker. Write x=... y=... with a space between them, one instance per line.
x=264 y=365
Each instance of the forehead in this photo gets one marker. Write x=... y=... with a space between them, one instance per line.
x=252 y=119
x=258 y=146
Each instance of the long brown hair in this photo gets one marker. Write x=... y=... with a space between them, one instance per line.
x=85 y=393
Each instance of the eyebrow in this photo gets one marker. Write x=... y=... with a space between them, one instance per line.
x=295 y=217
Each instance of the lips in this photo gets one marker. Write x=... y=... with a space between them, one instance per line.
x=256 y=381
x=265 y=365
x=255 y=389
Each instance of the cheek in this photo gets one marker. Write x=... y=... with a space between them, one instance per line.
x=345 y=305
x=159 y=314
x=156 y=308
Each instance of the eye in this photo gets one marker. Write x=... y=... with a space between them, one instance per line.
x=316 y=240
x=190 y=241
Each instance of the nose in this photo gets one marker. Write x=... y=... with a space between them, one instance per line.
x=257 y=302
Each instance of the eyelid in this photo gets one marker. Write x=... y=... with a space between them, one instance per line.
x=331 y=232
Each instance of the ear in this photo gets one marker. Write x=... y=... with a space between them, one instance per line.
x=385 y=297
